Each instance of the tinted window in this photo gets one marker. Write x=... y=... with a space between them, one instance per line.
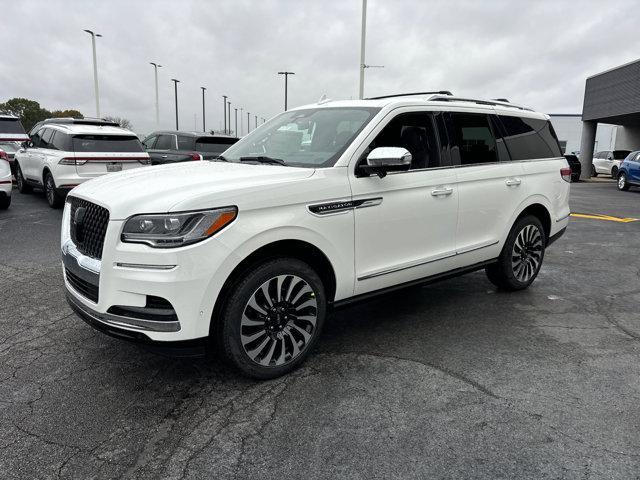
x=471 y=138
x=106 y=143
x=213 y=145
x=165 y=142
x=186 y=143
x=45 y=140
x=11 y=125
x=529 y=138
x=149 y=141
x=415 y=132
x=61 y=141
x=35 y=138
x=620 y=154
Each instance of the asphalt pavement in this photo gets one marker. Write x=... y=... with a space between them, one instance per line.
x=451 y=380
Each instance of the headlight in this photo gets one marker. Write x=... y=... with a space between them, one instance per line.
x=170 y=230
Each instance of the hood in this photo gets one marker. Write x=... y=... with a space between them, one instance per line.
x=182 y=186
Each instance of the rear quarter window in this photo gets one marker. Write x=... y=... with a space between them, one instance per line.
x=106 y=143
x=529 y=138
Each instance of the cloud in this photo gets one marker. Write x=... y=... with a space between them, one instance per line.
x=536 y=53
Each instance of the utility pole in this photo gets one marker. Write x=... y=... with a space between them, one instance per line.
x=248 y=120
x=241 y=120
x=156 y=66
x=235 y=132
x=229 y=113
x=256 y=122
x=95 y=70
x=175 y=88
x=204 y=127
x=224 y=112
x=286 y=77
x=362 y=48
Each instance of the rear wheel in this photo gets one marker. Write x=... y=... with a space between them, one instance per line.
x=54 y=199
x=273 y=318
x=593 y=171
x=5 y=202
x=623 y=185
x=614 y=172
x=521 y=257
x=23 y=187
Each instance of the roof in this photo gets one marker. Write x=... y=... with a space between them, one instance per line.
x=191 y=134
x=75 y=129
x=436 y=101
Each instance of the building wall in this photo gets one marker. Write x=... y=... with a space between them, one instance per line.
x=628 y=138
x=613 y=95
x=569 y=129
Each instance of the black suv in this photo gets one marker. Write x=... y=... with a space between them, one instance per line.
x=576 y=168
x=171 y=147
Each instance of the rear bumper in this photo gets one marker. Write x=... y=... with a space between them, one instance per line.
x=556 y=236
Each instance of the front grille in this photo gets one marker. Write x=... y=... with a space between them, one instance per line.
x=88 y=227
x=83 y=287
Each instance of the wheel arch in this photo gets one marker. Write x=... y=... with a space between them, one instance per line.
x=537 y=206
x=292 y=248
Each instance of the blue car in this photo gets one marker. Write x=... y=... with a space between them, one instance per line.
x=629 y=172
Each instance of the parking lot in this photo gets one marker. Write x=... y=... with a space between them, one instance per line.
x=450 y=380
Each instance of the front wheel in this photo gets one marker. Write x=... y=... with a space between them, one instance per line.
x=521 y=257
x=54 y=199
x=273 y=318
x=623 y=185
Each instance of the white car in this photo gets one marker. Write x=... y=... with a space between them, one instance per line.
x=5 y=181
x=248 y=253
x=63 y=153
x=608 y=162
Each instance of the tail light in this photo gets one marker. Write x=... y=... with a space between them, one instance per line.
x=71 y=161
x=196 y=156
x=565 y=173
x=4 y=155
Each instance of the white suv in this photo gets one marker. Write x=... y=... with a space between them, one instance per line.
x=322 y=205
x=5 y=181
x=64 y=153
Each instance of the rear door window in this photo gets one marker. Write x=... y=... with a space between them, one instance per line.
x=45 y=140
x=106 y=143
x=165 y=142
x=186 y=143
x=11 y=125
x=213 y=145
x=529 y=138
x=471 y=138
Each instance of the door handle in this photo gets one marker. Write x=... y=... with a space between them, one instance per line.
x=164 y=156
x=513 y=182
x=438 y=192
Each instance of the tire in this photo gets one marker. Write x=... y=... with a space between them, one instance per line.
x=5 y=202
x=23 y=186
x=54 y=199
x=593 y=171
x=614 y=172
x=575 y=178
x=623 y=185
x=263 y=337
x=517 y=269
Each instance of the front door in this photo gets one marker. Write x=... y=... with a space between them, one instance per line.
x=405 y=223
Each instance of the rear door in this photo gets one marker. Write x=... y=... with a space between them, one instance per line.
x=165 y=150
x=97 y=155
x=489 y=185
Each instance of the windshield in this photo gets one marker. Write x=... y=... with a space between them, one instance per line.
x=11 y=125
x=304 y=138
x=106 y=143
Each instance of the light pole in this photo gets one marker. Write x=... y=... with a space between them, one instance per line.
x=204 y=127
x=362 y=48
x=156 y=66
x=95 y=70
x=256 y=122
x=235 y=132
x=286 y=77
x=224 y=112
x=240 y=120
x=175 y=88
x=248 y=120
x=229 y=114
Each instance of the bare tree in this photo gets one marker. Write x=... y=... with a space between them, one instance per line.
x=123 y=122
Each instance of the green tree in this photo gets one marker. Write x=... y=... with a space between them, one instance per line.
x=66 y=113
x=29 y=111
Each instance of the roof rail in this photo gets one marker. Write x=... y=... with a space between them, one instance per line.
x=440 y=92
x=501 y=100
x=439 y=98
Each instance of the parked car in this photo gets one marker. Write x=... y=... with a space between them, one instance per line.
x=62 y=154
x=5 y=181
x=248 y=253
x=608 y=162
x=11 y=129
x=576 y=168
x=629 y=173
x=172 y=146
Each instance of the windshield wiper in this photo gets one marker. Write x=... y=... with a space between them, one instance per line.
x=260 y=159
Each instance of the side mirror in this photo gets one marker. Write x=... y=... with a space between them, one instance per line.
x=382 y=160
x=27 y=144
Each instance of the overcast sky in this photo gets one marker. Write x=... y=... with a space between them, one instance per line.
x=538 y=53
